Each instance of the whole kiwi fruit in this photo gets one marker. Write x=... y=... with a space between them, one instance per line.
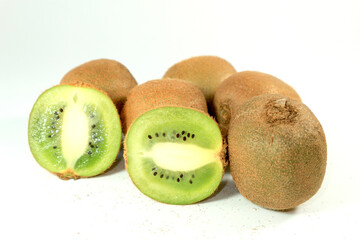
x=240 y=87
x=158 y=93
x=277 y=151
x=107 y=75
x=207 y=72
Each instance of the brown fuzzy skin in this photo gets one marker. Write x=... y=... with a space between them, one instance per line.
x=207 y=72
x=108 y=75
x=277 y=151
x=240 y=87
x=161 y=93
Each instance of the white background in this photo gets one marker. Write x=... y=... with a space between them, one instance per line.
x=312 y=45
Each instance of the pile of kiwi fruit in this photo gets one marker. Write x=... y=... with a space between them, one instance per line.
x=181 y=131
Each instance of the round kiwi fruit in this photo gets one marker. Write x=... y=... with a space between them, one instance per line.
x=74 y=131
x=277 y=151
x=161 y=92
x=173 y=149
x=175 y=155
x=207 y=72
x=242 y=86
x=107 y=75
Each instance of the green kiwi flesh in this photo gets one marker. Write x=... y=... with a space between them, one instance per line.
x=174 y=155
x=74 y=131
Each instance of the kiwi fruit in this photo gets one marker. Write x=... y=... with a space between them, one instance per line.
x=277 y=151
x=107 y=75
x=207 y=72
x=74 y=131
x=173 y=153
x=242 y=86
x=161 y=92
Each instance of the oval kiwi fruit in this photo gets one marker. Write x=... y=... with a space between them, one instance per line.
x=74 y=131
x=107 y=75
x=161 y=92
x=207 y=72
x=173 y=153
x=277 y=151
x=242 y=86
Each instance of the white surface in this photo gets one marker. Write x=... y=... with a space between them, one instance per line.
x=312 y=45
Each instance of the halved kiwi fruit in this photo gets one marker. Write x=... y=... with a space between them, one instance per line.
x=175 y=155
x=74 y=131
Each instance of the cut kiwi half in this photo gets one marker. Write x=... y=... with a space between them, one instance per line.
x=74 y=131
x=175 y=155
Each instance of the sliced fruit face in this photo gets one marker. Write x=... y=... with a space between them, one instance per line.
x=174 y=155
x=74 y=131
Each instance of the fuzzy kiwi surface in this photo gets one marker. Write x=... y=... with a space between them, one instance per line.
x=174 y=150
x=277 y=151
x=107 y=75
x=158 y=93
x=242 y=86
x=74 y=131
x=207 y=72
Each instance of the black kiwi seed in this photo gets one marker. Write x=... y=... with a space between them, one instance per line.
x=192 y=136
x=89 y=143
x=89 y=152
x=167 y=177
x=56 y=113
x=162 y=175
x=178 y=179
x=57 y=117
x=188 y=135
x=156 y=134
x=190 y=181
x=149 y=136
x=193 y=176
x=183 y=132
x=184 y=138
x=61 y=110
x=54 y=147
x=96 y=146
x=155 y=173
x=164 y=134
x=153 y=169
x=177 y=135
x=50 y=136
x=93 y=126
x=181 y=175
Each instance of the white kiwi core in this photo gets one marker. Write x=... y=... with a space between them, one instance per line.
x=180 y=157
x=75 y=132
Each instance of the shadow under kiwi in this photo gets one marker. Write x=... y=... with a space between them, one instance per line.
x=118 y=165
x=225 y=190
